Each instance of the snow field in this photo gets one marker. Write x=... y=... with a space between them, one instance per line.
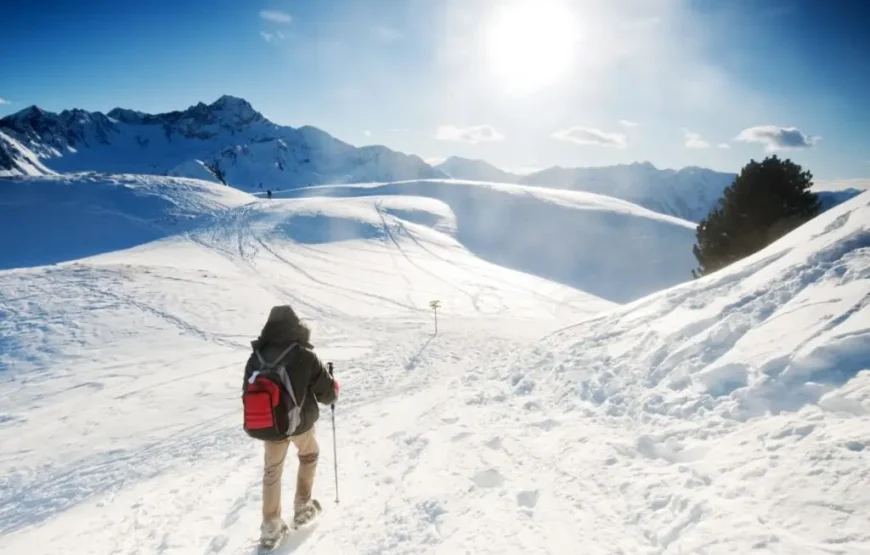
x=724 y=415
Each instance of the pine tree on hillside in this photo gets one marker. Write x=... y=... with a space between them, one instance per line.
x=767 y=200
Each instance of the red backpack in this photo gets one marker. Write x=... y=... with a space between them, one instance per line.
x=270 y=408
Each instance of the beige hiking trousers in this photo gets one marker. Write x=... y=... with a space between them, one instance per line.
x=276 y=451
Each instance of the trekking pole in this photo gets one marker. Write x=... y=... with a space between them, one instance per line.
x=334 y=445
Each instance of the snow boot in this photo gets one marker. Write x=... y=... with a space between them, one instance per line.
x=271 y=532
x=306 y=513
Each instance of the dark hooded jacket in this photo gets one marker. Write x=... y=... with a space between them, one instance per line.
x=308 y=376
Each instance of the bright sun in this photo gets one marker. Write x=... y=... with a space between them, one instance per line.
x=530 y=44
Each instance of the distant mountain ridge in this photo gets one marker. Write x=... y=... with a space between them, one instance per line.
x=230 y=142
x=457 y=167
x=226 y=141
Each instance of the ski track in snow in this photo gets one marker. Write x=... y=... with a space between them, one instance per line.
x=726 y=415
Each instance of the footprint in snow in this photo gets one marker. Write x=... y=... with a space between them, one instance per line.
x=528 y=498
x=461 y=435
x=493 y=443
x=489 y=478
x=547 y=424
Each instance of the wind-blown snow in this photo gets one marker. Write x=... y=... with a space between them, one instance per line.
x=725 y=415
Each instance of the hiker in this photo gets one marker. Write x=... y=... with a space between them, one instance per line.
x=311 y=383
x=268 y=193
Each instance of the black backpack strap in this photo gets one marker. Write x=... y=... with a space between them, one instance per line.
x=270 y=365
x=282 y=372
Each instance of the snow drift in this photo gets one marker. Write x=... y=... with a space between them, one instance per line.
x=609 y=248
x=726 y=415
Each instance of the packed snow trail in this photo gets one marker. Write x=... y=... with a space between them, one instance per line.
x=540 y=419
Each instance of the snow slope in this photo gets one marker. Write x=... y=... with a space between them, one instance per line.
x=58 y=218
x=238 y=145
x=119 y=373
x=604 y=246
x=725 y=415
x=17 y=160
x=736 y=408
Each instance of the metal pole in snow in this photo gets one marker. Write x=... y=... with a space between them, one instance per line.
x=435 y=305
x=334 y=445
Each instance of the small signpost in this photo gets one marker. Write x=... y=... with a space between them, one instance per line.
x=435 y=305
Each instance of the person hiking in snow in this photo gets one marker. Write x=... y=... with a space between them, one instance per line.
x=268 y=193
x=285 y=334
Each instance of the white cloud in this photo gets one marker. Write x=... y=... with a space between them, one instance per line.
x=777 y=138
x=387 y=35
x=4 y=101
x=272 y=37
x=434 y=160
x=275 y=16
x=472 y=134
x=367 y=133
x=628 y=123
x=587 y=136
x=723 y=145
x=694 y=140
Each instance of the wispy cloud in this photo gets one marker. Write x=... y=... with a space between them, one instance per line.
x=777 y=138
x=434 y=160
x=387 y=35
x=277 y=36
x=367 y=133
x=628 y=123
x=472 y=134
x=4 y=101
x=275 y=16
x=723 y=145
x=694 y=140
x=594 y=137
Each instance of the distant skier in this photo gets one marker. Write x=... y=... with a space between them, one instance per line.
x=268 y=193
x=285 y=339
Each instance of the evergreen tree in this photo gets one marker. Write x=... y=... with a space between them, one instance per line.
x=767 y=200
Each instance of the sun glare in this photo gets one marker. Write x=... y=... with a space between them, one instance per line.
x=530 y=44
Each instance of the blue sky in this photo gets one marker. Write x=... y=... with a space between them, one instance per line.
x=522 y=84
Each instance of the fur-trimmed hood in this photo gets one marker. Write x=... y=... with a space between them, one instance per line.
x=282 y=328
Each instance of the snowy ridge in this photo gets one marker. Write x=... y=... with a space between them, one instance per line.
x=689 y=193
x=235 y=142
x=601 y=245
x=229 y=142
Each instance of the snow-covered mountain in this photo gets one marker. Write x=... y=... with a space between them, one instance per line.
x=728 y=414
x=225 y=141
x=475 y=170
x=689 y=193
x=230 y=142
